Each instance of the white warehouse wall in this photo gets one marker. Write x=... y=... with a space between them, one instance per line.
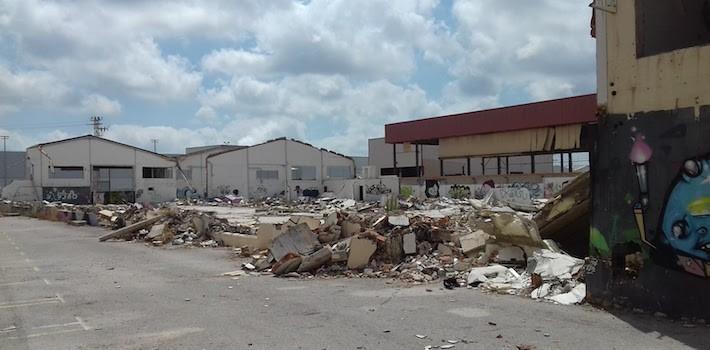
x=238 y=169
x=90 y=151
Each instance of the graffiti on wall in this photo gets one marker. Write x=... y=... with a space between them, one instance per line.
x=378 y=189
x=73 y=195
x=431 y=188
x=664 y=191
x=459 y=191
x=685 y=220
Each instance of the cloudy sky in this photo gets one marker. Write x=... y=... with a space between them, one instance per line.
x=330 y=72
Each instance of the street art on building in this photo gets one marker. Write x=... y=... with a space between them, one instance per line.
x=459 y=191
x=72 y=195
x=652 y=196
x=378 y=189
x=431 y=188
x=685 y=220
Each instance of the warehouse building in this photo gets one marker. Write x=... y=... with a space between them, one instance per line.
x=279 y=167
x=532 y=146
x=192 y=173
x=91 y=169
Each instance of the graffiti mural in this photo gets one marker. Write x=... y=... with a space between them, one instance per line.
x=72 y=195
x=378 y=189
x=651 y=210
x=431 y=188
x=459 y=191
x=685 y=219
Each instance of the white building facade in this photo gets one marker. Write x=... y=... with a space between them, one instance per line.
x=280 y=167
x=191 y=176
x=90 y=169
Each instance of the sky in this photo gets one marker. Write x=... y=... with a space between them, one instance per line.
x=328 y=72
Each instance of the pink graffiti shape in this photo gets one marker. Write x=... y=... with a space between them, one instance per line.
x=640 y=151
x=693 y=266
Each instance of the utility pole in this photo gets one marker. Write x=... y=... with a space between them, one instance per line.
x=97 y=123
x=4 y=160
x=155 y=145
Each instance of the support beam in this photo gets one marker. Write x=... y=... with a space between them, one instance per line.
x=441 y=167
x=394 y=159
x=416 y=158
x=569 y=161
x=483 y=165
x=562 y=162
x=507 y=165
x=468 y=165
x=498 y=159
x=532 y=164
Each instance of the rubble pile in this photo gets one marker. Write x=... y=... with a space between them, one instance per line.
x=457 y=242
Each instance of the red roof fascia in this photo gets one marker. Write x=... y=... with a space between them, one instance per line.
x=564 y=111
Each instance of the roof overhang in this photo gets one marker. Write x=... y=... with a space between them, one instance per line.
x=565 y=111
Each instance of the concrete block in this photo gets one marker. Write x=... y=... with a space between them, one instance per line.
x=312 y=222
x=298 y=239
x=77 y=222
x=315 y=260
x=473 y=241
x=409 y=243
x=267 y=232
x=155 y=232
x=350 y=228
x=236 y=240
x=398 y=220
x=361 y=250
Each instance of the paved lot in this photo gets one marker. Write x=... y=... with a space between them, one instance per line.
x=62 y=289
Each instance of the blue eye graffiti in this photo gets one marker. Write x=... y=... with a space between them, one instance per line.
x=686 y=217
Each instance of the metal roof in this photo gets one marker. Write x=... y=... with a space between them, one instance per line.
x=89 y=136
x=564 y=111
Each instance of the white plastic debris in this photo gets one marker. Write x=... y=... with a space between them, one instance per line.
x=575 y=296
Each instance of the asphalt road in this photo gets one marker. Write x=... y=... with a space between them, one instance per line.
x=62 y=289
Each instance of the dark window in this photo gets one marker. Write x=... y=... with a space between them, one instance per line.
x=66 y=172
x=157 y=173
x=410 y=171
x=664 y=26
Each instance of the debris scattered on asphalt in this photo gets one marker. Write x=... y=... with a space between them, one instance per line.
x=490 y=244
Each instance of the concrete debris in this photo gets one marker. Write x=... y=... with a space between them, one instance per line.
x=361 y=250
x=494 y=244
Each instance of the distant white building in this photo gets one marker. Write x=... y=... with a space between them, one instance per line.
x=192 y=174
x=280 y=167
x=90 y=169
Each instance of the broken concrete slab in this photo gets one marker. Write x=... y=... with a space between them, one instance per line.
x=298 y=239
x=361 y=250
x=237 y=240
x=409 y=243
x=288 y=263
x=312 y=222
x=514 y=229
x=267 y=232
x=130 y=229
x=314 y=261
x=350 y=228
x=77 y=223
x=400 y=220
x=155 y=232
x=473 y=242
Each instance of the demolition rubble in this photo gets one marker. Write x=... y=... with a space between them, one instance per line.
x=469 y=243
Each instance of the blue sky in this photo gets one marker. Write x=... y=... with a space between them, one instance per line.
x=331 y=73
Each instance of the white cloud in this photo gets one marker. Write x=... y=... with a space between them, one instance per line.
x=334 y=71
x=95 y=104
